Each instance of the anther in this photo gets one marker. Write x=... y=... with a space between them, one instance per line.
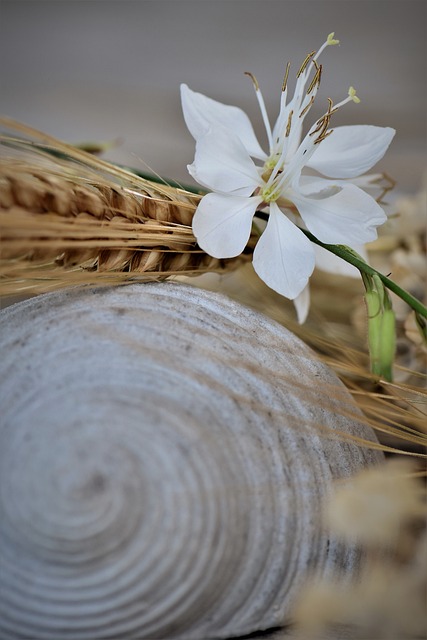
x=288 y=126
x=322 y=125
x=329 y=112
x=330 y=109
x=307 y=107
x=322 y=137
x=285 y=79
x=254 y=80
x=305 y=63
x=316 y=80
x=324 y=128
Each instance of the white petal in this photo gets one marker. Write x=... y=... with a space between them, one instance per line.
x=222 y=224
x=372 y=183
x=222 y=163
x=347 y=217
x=201 y=112
x=283 y=256
x=350 y=151
x=315 y=186
x=302 y=304
x=329 y=262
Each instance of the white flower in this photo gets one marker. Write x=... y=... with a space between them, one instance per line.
x=337 y=211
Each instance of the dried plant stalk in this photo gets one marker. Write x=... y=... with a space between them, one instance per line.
x=67 y=217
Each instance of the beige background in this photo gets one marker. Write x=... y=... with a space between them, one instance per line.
x=102 y=70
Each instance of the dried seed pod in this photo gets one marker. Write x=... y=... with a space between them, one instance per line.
x=164 y=454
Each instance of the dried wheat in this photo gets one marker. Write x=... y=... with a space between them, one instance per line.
x=67 y=217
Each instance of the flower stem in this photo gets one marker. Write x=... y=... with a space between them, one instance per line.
x=346 y=254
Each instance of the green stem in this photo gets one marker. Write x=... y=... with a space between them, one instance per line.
x=344 y=253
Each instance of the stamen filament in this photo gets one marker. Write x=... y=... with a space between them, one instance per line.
x=262 y=108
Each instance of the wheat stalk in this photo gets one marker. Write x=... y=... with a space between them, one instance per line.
x=67 y=217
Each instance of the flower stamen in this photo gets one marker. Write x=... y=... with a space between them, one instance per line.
x=305 y=63
x=262 y=107
x=307 y=107
x=285 y=78
x=254 y=80
x=288 y=126
x=323 y=123
x=316 y=79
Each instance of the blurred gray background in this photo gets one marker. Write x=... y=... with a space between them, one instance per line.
x=103 y=70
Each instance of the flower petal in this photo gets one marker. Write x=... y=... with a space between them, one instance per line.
x=201 y=112
x=329 y=262
x=350 y=216
x=222 y=224
x=222 y=164
x=302 y=304
x=351 y=151
x=283 y=256
x=372 y=183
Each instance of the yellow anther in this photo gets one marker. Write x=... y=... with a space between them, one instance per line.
x=254 y=80
x=285 y=79
x=352 y=95
x=330 y=39
x=305 y=63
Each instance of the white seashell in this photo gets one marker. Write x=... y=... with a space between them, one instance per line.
x=161 y=472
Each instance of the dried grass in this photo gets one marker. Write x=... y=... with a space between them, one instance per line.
x=383 y=510
x=67 y=217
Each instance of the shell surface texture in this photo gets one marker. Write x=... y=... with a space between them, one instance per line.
x=161 y=469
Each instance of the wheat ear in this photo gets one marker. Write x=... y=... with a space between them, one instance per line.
x=67 y=217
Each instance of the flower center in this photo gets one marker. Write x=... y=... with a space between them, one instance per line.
x=270 y=191
x=269 y=194
x=269 y=166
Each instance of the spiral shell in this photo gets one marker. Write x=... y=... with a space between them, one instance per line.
x=162 y=468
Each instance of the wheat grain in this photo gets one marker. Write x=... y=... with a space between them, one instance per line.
x=69 y=218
